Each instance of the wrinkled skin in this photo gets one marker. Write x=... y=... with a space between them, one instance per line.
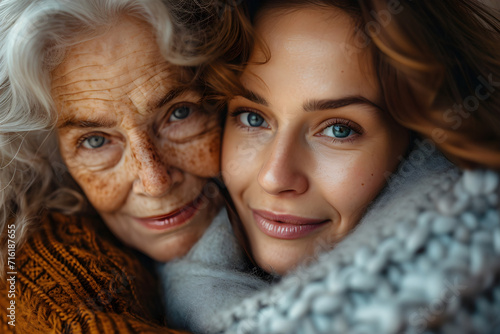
x=136 y=139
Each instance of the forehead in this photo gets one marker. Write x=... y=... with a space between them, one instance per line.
x=313 y=46
x=121 y=66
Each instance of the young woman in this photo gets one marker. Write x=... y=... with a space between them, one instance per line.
x=308 y=144
x=333 y=145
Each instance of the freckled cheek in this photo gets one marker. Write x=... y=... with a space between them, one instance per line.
x=200 y=157
x=105 y=191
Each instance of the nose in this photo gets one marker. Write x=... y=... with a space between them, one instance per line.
x=154 y=177
x=284 y=171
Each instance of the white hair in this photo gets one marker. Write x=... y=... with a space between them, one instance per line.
x=33 y=38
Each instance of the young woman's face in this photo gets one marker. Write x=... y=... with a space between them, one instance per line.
x=307 y=145
x=137 y=141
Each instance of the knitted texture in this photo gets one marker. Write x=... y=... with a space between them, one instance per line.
x=73 y=276
x=424 y=259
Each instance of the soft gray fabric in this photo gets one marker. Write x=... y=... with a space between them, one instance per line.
x=209 y=278
x=424 y=259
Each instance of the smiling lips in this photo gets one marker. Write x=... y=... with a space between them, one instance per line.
x=286 y=226
x=172 y=219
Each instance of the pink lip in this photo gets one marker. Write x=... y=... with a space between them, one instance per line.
x=172 y=219
x=286 y=226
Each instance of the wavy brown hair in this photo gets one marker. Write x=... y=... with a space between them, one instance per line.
x=439 y=68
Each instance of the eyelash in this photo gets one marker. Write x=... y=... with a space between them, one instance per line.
x=235 y=113
x=350 y=124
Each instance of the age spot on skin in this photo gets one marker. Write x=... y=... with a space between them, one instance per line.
x=105 y=187
x=207 y=148
x=148 y=161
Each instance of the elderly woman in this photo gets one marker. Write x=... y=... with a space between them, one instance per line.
x=104 y=128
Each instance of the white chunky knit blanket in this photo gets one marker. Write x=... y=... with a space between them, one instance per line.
x=424 y=259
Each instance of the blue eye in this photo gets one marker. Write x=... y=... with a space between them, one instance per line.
x=94 y=142
x=253 y=120
x=180 y=113
x=338 y=131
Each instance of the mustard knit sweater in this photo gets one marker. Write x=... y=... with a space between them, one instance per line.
x=74 y=276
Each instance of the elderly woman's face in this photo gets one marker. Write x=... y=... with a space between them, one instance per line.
x=137 y=141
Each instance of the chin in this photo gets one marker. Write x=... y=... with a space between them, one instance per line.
x=277 y=267
x=172 y=249
x=168 y=255
x=282 y=256
x=280 y=265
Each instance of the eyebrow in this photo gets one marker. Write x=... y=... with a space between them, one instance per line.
x=254 y=97
x=316 y=105
x=327 y=104
x=174 y=93
x=84 y=123
x=102 y=123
